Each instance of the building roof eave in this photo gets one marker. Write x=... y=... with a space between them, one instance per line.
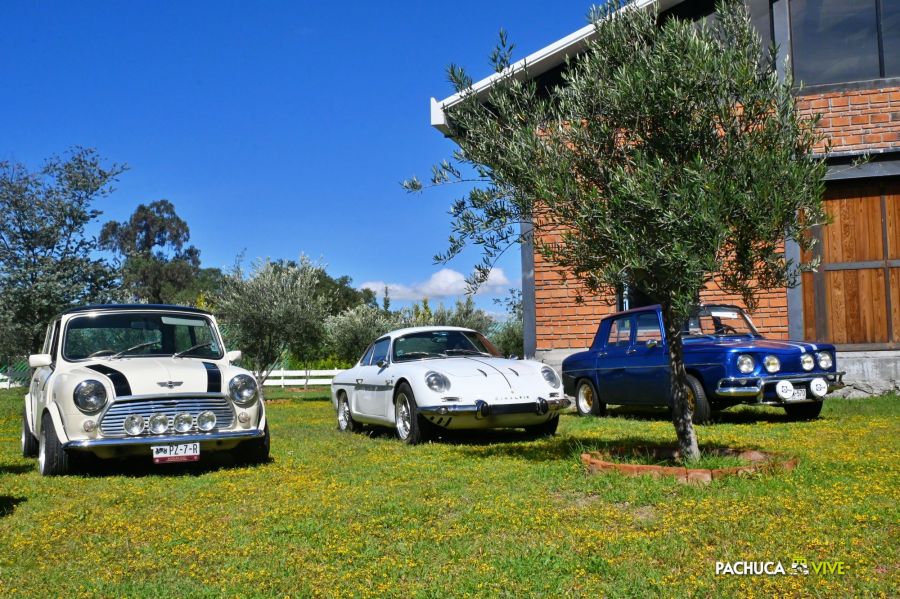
x=534 y=64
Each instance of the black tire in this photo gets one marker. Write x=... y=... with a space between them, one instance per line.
x=29 y=443
x=702 y=410
x=804 y=411
x=410 y=428
x=255 y=451
x=345 y=421
x=52 y=458
x=544 y=429
x=587 y=400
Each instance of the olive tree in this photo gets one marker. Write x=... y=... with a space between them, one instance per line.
x=275 y=307
x=350 y=332
x=670 y=157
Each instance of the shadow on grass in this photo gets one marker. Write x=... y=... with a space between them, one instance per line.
x=16 y=468
x=8 y=504
x=571 y=447
x=140 y=467
x=734 y=415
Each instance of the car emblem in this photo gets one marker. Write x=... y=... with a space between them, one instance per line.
x=170 y=384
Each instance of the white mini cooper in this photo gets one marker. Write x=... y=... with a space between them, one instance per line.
x=150 y=380
x=422 y=379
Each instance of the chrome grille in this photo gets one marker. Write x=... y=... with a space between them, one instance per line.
x=111 y=424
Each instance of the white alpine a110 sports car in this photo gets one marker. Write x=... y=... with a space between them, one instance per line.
x=425 y=378
x=149 y=380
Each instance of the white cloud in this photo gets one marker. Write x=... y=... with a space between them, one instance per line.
x=444 y=283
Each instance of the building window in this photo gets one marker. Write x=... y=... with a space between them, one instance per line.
x=837 y=41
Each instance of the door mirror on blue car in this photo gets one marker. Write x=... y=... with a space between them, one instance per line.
x=651 y=343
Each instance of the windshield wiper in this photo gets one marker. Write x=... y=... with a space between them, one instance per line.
x=468 y=352
x=190 y=349
x=138 y=346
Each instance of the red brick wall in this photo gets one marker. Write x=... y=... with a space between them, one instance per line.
x=851 y=120
x=857 y=120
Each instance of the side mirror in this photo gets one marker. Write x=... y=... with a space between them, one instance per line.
x=651 y=343
x=381 y=363
x=512 y=357
x=234 y=355
x=40 y=360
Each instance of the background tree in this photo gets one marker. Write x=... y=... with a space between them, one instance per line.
x=343 y=294
x=156 y=263
x=670 y=157
x=463 y=313
x=275 y=308
x=509 y=335
x=47 y=261
x=350 y=332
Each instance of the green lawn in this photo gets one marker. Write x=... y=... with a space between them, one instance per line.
x=497 y=514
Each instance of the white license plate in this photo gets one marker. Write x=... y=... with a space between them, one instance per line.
x=183 y=452
x=799 y=394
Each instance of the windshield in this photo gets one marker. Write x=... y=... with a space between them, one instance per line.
x=719 y=321
x=440 y=344
x=138 y=334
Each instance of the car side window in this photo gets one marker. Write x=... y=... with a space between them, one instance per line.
x=647 y=328
x=367 y=357
x=380 y=350
x=619 y=332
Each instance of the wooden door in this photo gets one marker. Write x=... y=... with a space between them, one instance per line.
x=854 y=298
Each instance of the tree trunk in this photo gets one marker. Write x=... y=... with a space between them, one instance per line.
x=682 y=408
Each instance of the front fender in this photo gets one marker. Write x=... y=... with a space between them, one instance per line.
x=58 y=425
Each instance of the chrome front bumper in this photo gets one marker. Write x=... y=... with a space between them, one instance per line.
x=755 y=386
x=205 y=438
x=482 y=409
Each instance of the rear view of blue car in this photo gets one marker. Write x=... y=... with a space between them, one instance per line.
x=728 y=363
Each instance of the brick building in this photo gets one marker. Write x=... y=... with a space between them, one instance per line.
x=847 y=56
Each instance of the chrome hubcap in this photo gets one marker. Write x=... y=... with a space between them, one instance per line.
x=585 y=398
x=343 y=414
x=42 y=451
x=403 y=420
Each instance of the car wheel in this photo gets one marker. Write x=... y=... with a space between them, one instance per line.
x=697 y=397
x=29 y=443
x=406 y=417
x=345 y=420
x=804 y=411
x=544 y=429
x=52 y=458
x=255 y=451
x=587 y=401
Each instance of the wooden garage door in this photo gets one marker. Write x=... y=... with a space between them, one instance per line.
x=854 y=298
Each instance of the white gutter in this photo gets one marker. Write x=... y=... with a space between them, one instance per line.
x=537 y=63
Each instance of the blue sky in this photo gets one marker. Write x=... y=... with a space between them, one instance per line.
x=275 y=128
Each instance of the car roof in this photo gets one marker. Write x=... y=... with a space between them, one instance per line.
x=132 y=308
x=407 y=331
x=657 y=307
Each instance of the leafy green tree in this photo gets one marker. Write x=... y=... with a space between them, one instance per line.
x=349 y=333
x=671 y=156
x=343 y=294
x=47 y=260
x=464 y=313
x=508 y=335
x=276 y=307
x=156 y=263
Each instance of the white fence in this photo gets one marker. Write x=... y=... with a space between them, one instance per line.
x=292 y=378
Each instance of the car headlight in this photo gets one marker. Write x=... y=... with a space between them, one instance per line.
x=436 y=381
x=825 y=360
x=90 y=396
x=807 y=362
x=550 y=376
x=745 y=363
x=243 y=389
x=772 y=364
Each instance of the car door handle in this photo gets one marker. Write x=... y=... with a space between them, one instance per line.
x=630 y=351
x=359 y=381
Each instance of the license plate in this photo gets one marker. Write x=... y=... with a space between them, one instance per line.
x=183 y=452
x=799 y=394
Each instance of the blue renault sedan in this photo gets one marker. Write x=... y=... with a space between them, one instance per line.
x=727 y=361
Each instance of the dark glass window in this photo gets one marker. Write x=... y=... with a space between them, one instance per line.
x=890 y=36
x=620 y=332
x=380 y=350
x=647 y=328
x=834 y=41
